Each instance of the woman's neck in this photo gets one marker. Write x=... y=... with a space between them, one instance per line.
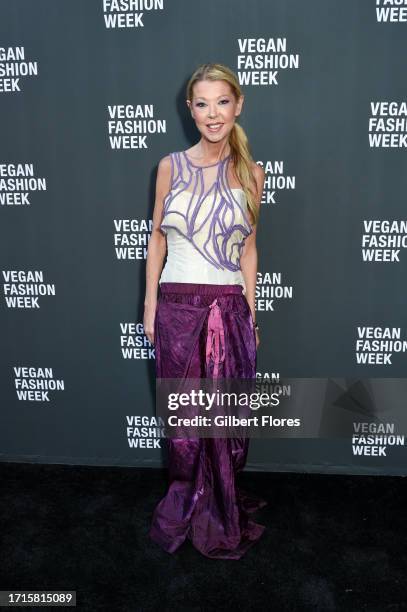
x=212 y=152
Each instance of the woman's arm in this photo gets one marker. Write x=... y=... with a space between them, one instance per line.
x=249 y=258
x=157 y=247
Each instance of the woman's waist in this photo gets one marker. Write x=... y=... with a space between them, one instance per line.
x=205 y=274
x=201 y=288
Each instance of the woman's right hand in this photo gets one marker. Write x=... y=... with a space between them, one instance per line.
x=148 y=321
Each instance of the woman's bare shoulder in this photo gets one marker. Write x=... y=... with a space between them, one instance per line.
x=258 y=171
x=164 y=169
x=259 y=175
x=164 y=165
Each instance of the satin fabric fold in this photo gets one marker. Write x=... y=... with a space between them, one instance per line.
x=200 y=331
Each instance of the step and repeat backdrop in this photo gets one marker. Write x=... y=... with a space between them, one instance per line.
x=92 y=96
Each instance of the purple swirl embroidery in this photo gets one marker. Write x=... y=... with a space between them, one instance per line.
x=201 y=206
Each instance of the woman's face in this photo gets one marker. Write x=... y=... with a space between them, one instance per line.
x=214 y=109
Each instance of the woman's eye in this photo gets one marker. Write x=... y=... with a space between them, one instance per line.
x=201 y=104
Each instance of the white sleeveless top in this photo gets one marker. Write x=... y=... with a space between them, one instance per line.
x=206 y=224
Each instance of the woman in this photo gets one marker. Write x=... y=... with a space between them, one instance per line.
x=203 y=323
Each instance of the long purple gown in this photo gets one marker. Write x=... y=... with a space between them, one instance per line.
x=204 y=330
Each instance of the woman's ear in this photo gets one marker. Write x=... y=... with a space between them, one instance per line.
x=239 y=105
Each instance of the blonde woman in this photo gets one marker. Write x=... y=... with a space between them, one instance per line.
x=203 y=322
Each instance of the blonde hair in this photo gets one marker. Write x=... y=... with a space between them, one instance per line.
x=238 y=141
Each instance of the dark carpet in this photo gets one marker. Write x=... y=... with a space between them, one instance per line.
x=332 y=543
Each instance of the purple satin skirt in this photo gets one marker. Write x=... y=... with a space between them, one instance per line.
x=200 y=331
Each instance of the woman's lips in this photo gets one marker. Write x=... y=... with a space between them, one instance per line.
x=215 y=127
